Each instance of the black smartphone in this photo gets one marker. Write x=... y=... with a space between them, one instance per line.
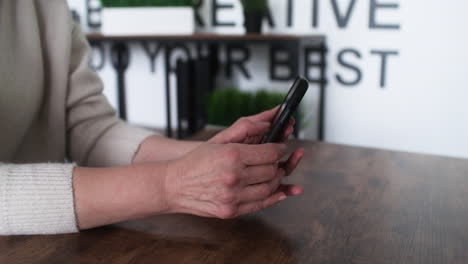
x=287 y=110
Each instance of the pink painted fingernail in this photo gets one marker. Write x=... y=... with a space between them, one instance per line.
x=282 y=197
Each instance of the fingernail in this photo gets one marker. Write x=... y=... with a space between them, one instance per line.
x=282 y=197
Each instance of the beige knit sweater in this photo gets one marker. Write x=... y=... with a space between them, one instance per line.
x=52 y=112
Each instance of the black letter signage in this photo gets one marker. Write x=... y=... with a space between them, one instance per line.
x=374 y=6
x=214 y=14
x=383 y=65
x=348 y=65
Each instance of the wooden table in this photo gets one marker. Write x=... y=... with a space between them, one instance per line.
x=360 y=206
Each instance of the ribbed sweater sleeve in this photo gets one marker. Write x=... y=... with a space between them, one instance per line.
x=36 y=199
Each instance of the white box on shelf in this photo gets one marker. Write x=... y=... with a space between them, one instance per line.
x=120 y=21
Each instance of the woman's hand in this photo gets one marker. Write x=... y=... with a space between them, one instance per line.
x=251 y=129
x=225 y=180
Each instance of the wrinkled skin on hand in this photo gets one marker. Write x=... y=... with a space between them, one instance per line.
x=226 y=180
x=251 y=129
x=231 y=174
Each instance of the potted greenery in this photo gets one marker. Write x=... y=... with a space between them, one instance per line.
x=147 y=17
x=254 y=12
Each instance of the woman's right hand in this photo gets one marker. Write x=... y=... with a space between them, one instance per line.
x=225 y=180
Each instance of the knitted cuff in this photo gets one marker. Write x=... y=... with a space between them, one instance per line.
x=36 y=199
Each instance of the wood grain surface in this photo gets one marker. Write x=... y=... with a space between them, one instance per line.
x=359 y=206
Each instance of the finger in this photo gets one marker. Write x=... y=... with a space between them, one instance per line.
x=292 y=122
x=287 y=132
x=290 y=165
x=262 y=154
x=252 y=207
x=289 y=129
x=253 y=140
x=291 y=189
x=260 y=191
x=261 y=174
x=249 y=140
x=245 y=128
x=266 y=116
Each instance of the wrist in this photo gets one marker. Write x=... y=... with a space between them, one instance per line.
x=154 y=186
x=174 y=173
x=110 y=195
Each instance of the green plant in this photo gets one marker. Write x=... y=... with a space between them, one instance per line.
x=225 y=106
x=250 y=5
x=145 y=3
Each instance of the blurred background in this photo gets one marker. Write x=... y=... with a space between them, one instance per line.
x=394 y=72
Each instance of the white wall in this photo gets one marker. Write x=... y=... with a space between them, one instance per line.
x=423 y=106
